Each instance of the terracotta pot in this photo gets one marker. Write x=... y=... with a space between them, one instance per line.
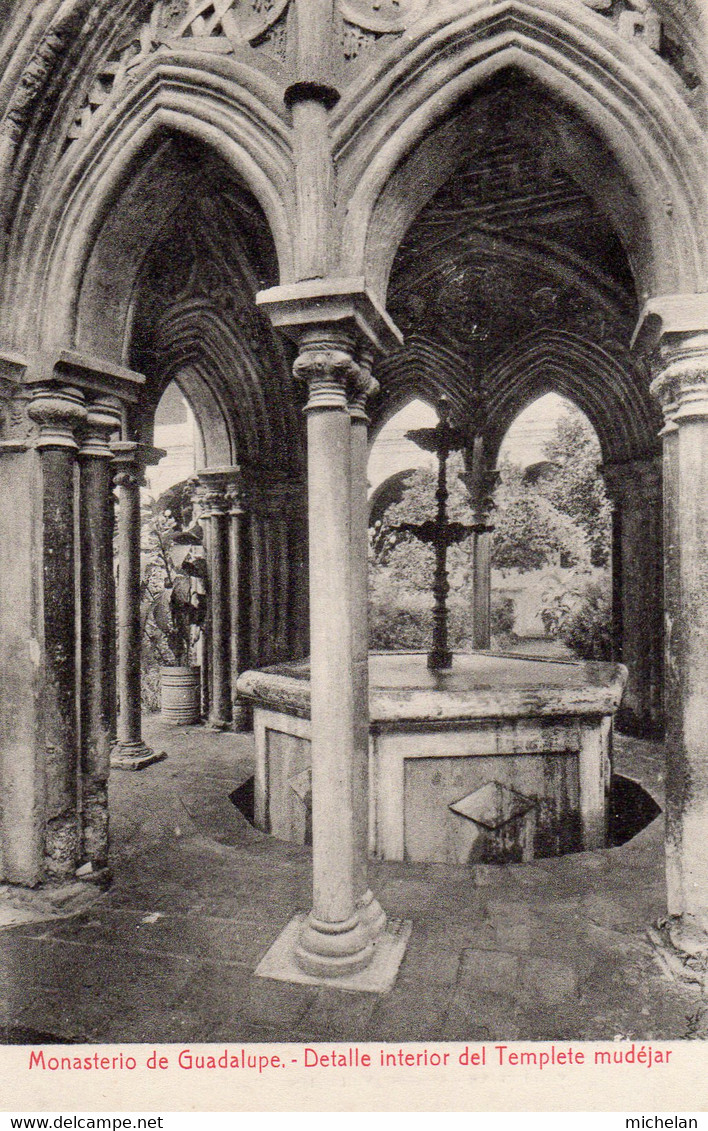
x=180 y=696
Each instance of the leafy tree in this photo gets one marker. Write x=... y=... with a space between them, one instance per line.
x=574 y=487
x=530 y=531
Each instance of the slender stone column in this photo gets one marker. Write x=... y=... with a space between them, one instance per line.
x=98 y=677
x=59 y=411
x=675 y=782
x=130 y=752
x=635 y=490
x=372 y=914
x=333 y=940
x=682 y=388
x=215 y=520
x=340 y=938
x=482 y=590
x=238 y=650
x=309 y=99
x=480 y=484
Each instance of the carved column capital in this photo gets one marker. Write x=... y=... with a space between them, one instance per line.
x=326 y=362
x=130 y=460
x=219 y=491
x=103 y=420
x=680 y=366
x=59 y=411
x=367 y=386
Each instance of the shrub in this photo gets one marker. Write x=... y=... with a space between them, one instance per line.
x=502 y=618
x=583 y=624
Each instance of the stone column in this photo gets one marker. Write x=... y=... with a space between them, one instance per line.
x=238 y=643
x=333 y=940
x=371 y=912
x=635 y=490
x=682 y=389
x=59 y=412
x=98 y=676
x=330 y=319
x=480 y=483
x=215 y=521
x=130 y=752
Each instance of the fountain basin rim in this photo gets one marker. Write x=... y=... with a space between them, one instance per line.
x=480 y=685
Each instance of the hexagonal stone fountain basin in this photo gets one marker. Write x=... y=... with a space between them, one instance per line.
x=502 y=758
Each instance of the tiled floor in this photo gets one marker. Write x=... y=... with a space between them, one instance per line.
x=553 y=950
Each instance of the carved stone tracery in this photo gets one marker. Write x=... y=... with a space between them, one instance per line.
x=209 y=25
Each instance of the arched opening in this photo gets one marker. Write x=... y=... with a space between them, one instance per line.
x=400 y=476
x=551 y=547
x=520 y=272
x=169 y=292
x=176 y=433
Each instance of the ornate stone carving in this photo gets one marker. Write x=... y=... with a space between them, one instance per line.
x=364 y=22
x=355 y=40
x=60 y=412
x=639 y=21
x=39 y=69
x=329 y=369
x=17 y=429
x=219 y=25
x=130 y=460
x=681 y=387
x=241 y=21
x=102 y=422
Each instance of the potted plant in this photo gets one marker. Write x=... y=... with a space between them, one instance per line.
x=173 y=609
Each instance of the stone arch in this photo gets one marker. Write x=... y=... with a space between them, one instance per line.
x=425 y=370
x=627 y=107
x=608 y=393
x=214 y=367
x=217 y=445
x=57 y=248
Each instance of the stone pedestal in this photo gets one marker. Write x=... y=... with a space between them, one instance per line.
x=501 y=759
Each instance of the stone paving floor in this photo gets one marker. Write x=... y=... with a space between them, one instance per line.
x=557 y=949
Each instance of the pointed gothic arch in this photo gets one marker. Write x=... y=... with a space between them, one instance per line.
x=397 y=137
x=58 y=226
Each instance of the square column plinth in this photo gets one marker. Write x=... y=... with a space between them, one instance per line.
x=378 y=977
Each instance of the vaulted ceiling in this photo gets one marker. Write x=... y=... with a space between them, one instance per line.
x=514 y=249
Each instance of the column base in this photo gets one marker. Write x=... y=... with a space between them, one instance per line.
x=333 y=949
x=134 y=756
x=688 y=936
x=282 y=964
x=371 y=915
x=242 y=716
x=219 y=724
